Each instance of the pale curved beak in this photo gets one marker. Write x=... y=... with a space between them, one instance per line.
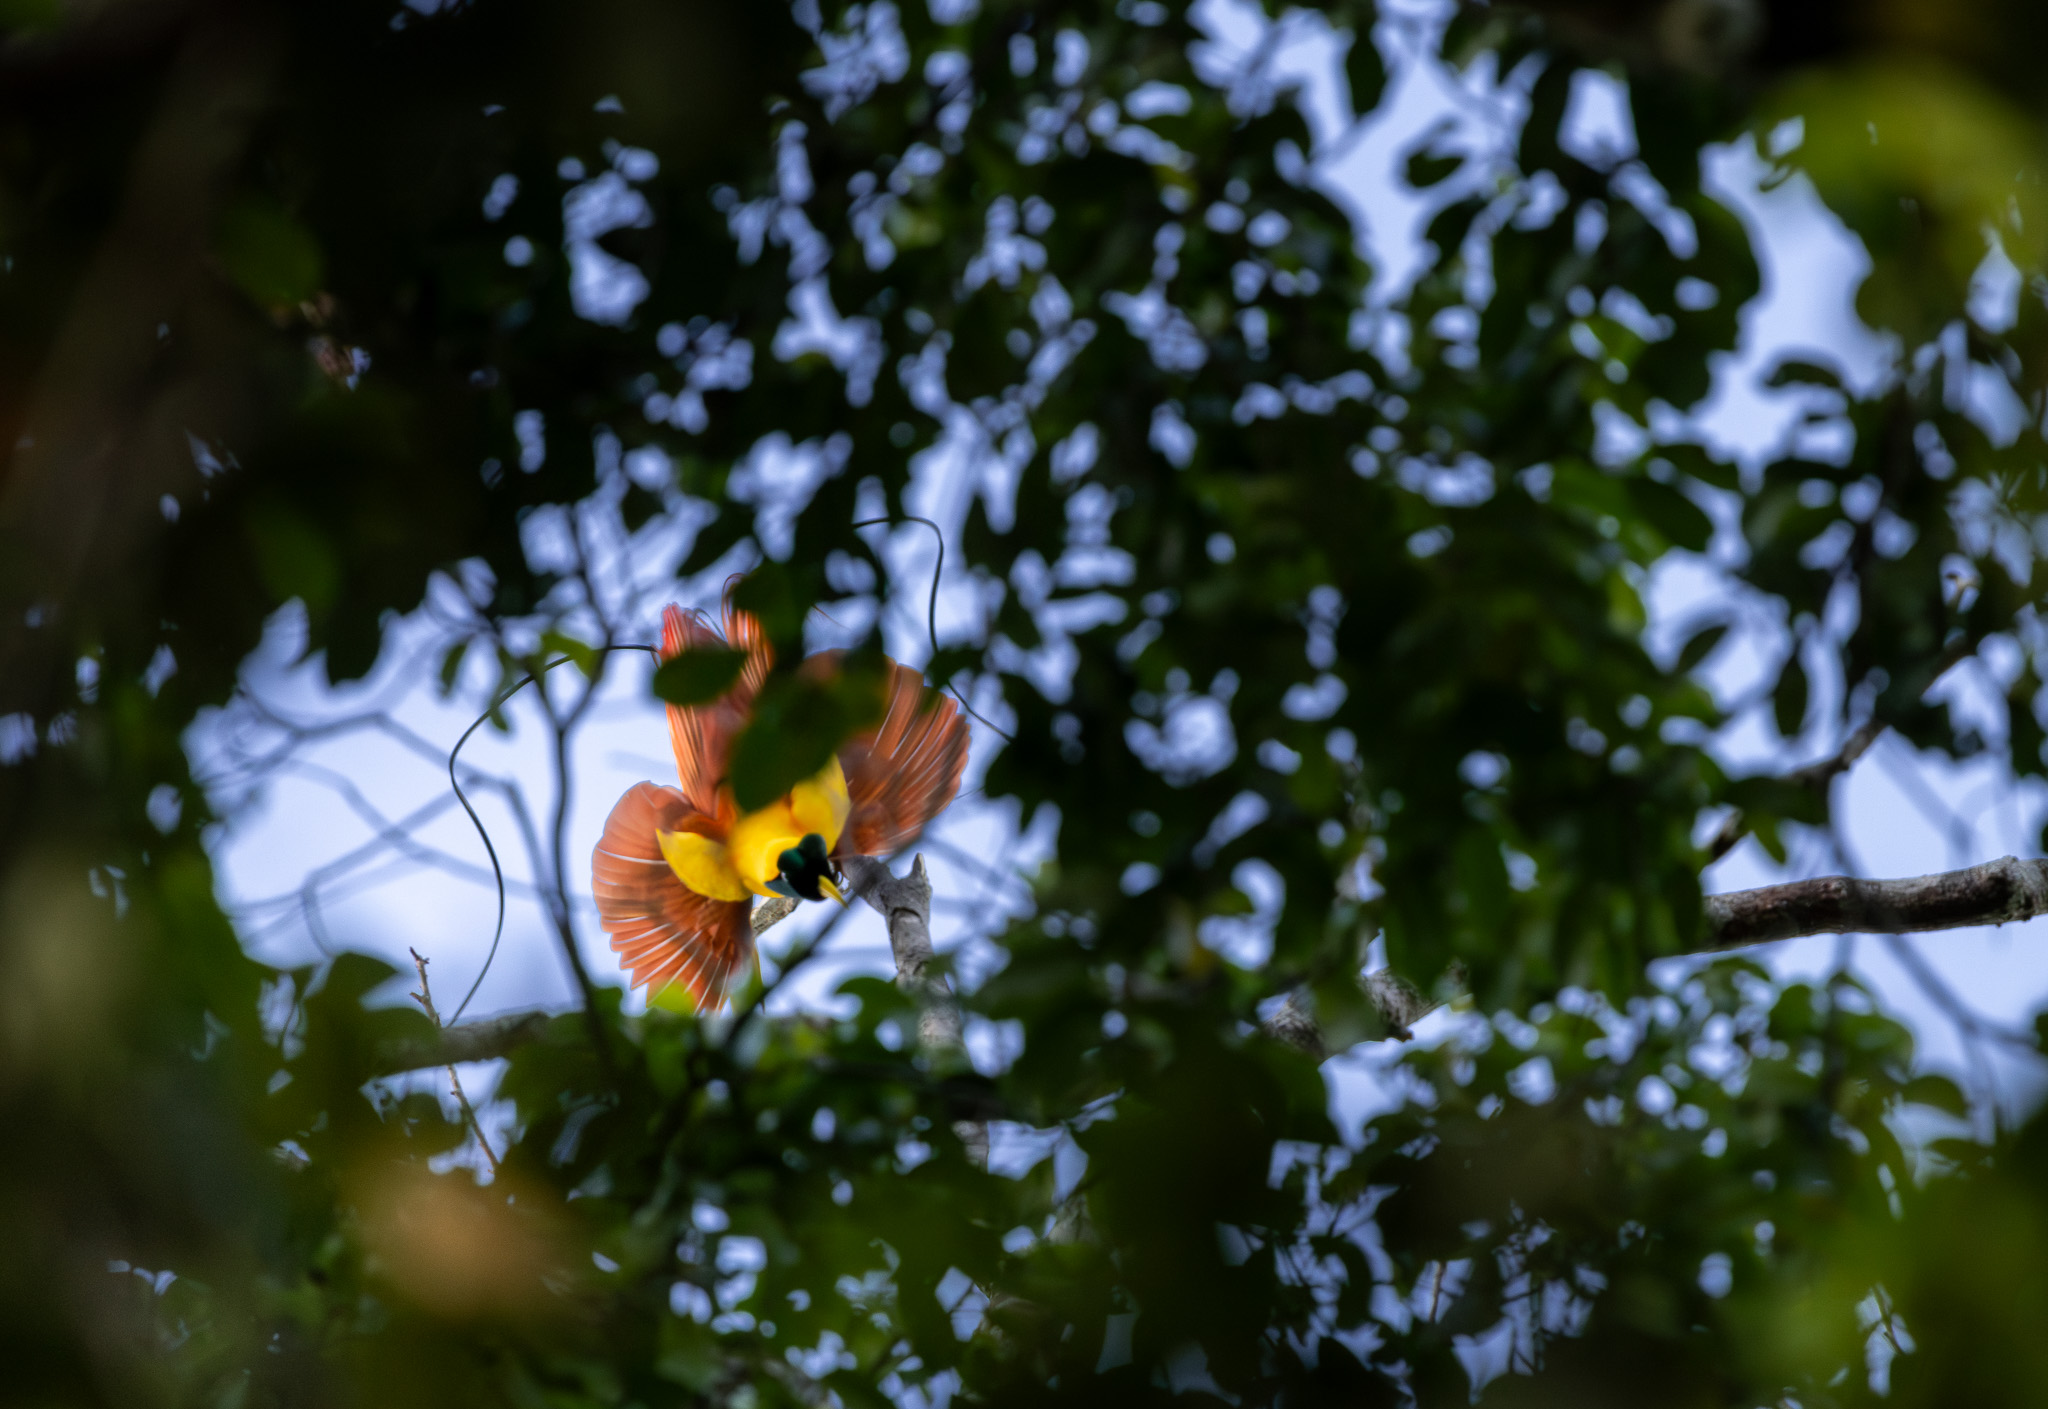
x=825 y=884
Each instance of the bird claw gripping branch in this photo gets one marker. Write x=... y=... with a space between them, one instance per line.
x=677 y=870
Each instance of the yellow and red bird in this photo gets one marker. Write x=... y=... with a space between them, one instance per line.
x=677 y=870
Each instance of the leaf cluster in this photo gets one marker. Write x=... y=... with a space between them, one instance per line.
x=1316 y=598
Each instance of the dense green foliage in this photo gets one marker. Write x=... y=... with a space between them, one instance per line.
x=276 y=325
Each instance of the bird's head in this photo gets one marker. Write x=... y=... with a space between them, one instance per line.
x=805 y=871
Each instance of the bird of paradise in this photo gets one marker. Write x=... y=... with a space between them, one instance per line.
x=677 y=870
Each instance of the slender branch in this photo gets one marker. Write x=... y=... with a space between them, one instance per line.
x=1814 y=775
x=560 y=727
x=1968 y=1020
x=905 y=902
x=1824 y=772
x=1399 y=1003
x=768 y=912
x=425 y=998
x=563 y=727
x=1972 y=1029
x=488 y=1038
x=1995 y=893
x=478 y=1041
x=1295 y=1025
x=772 y=911
x=1819 y=775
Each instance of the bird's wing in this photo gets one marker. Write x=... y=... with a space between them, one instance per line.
x=662 y=930
x=743 y=633
x=701 y=735
x=902 y=773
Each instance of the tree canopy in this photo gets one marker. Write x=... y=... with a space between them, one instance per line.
x=1306 y=602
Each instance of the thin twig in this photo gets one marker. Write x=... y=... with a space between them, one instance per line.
x=1958 y=831
x=425 y=998
x=1885 y=1315
x=771 y=912
x=1822 y=773
x=1813 y=775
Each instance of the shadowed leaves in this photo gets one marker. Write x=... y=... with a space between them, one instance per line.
x=698 y=676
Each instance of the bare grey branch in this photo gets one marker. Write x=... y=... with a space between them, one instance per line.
x=1995 y=893
x=906 y=903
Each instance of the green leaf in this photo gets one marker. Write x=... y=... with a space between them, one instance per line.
x=30 y=15
x=1795 y=372
x=1795 y=1014
x=879 y=998
x=294 y=556
x=451 y=666
x=799 y=722
x=691 y=1357
x=556 y=643
x=1766 y=831
x=1683 y=523
x=1345 y=1015
x=1425 y=170
x=1364 y=69
x=1789 y=701
x=699 y=675
x=268 y=255
x=1481 y=884
x=673 y=997
x=1700 y=646
x=772 y=598
x=1229 y=900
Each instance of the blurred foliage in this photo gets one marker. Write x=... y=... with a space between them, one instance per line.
x=1293 y=592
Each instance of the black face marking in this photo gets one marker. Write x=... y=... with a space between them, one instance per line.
x=804 y=865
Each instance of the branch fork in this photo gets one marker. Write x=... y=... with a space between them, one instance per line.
x=425 y=998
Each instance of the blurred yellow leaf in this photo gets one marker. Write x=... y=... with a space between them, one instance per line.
x=454 y=1249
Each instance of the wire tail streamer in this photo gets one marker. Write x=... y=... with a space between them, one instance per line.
x=932 y=611
x=483 y=832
